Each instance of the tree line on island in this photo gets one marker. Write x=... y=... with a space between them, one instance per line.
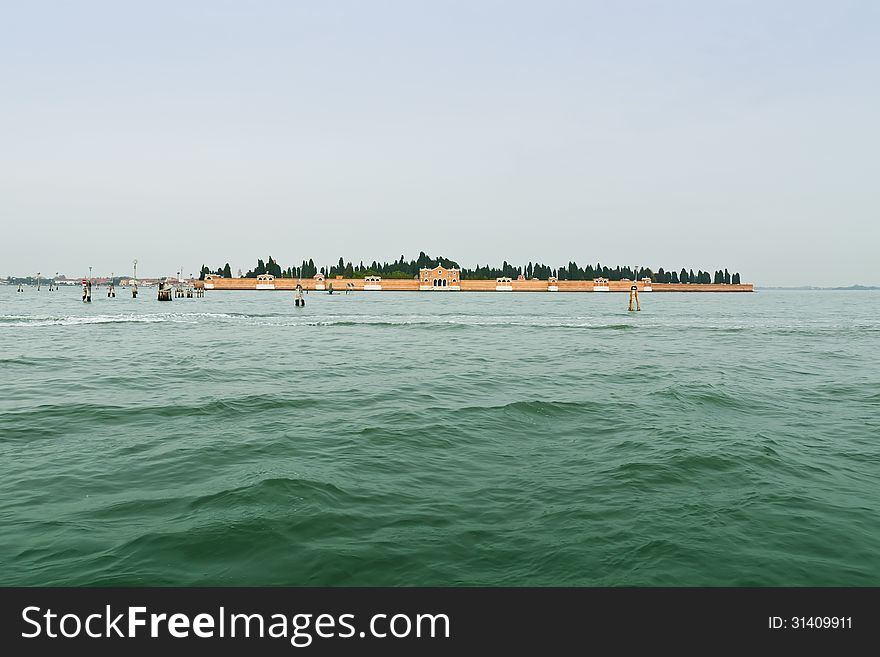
x=410 y=269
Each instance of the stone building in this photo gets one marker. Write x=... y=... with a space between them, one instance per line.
x=440 y=279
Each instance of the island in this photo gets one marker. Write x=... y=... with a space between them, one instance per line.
x=426 y=274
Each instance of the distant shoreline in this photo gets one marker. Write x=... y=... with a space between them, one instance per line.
x=814 y=288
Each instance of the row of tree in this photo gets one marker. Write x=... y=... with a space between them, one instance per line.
x=225 y=272
x=403 y=268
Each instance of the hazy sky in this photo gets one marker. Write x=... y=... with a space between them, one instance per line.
x=701 y=134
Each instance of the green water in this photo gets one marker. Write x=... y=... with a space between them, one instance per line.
x=440 y=439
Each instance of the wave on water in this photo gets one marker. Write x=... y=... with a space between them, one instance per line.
x=32 y=360
x=54 y=420
x=257 y=493
x=708 y=395
x=434 y=322
x=538 y=408
x=264 y=319
x=79 y=320
x=437 y=322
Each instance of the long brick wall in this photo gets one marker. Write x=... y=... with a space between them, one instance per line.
x=412 y=285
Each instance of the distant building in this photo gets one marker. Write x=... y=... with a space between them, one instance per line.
x=646 y=285
x=319 y=281
x=503 y=284
x=552 y=284
x=265 y=282
x=372 y=282
x=440 y=279
x=600 y=285
x=209 y=280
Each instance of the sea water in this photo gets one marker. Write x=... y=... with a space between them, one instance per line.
x=382 y=438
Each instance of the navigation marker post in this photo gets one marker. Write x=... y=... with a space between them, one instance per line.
x=634 y=298
x=134 y=282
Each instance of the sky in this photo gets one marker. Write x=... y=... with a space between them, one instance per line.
x=700 y=134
